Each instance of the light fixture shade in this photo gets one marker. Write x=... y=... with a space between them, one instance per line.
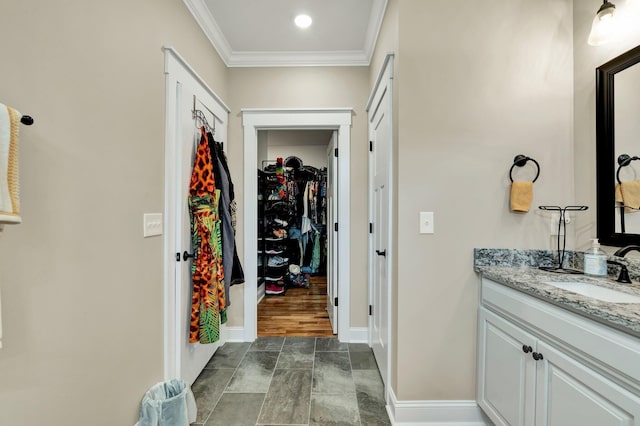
x=604 y=26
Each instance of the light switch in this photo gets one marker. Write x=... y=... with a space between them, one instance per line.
x=152 y=224
x=426 y=222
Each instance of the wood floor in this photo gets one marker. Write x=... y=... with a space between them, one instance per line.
x=301 y=312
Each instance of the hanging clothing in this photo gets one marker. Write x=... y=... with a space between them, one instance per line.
x=230 y=259
x=208 y=301
x=315 y=255
x=237 y=273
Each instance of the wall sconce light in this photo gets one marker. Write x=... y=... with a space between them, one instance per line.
x=604 y=25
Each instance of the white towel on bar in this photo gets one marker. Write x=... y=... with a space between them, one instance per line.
x=9 y=187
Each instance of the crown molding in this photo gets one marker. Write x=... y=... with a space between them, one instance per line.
x=231 y=58
x=298 y=59
x=375 y=25
x=206 y=21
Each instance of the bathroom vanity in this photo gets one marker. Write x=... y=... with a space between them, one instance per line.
x=550 y=356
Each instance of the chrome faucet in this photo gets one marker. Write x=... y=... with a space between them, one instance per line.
x=621 y=252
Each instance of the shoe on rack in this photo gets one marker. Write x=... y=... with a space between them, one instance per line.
x=273 y=279
x=280 y=233
x=276 y=261
x=281 y=222
x=274 y=251
x=274 y=239
x=274 y=289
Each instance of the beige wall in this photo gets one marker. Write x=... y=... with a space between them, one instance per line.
x=480 y=83
x=81 y=288
x=308 y=87
x=308 y=145
x=586 y=60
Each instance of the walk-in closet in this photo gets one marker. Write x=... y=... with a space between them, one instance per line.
x=293 y=216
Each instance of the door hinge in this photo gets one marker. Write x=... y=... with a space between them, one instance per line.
x=335 y=152
x=335 y=301
x=335 y=226
x=177 y=257
x=370 y=146
x=370 y=310
x=371 y=228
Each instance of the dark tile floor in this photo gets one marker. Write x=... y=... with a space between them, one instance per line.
x=291 y=381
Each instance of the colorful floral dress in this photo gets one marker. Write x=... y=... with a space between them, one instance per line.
x=207 y=273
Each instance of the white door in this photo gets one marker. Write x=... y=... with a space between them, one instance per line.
x=332 y=240
x=568 y=393
x=183 y=360
x=380 y=134
x=506 y=371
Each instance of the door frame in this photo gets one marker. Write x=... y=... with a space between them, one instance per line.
x=332 y=208
x=385 y=78
x=253 y=120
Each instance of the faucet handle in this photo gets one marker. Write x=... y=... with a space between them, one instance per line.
x=624 y=272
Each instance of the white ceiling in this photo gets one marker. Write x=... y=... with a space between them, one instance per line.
x=250 y=33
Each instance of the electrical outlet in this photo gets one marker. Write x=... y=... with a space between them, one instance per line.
x=152 y=224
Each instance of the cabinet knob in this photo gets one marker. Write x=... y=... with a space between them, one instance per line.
x=526 y=349
x=537 y=356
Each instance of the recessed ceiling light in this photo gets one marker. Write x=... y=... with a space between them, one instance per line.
x=303 y=21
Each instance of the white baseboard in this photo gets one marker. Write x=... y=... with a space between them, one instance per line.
x=235 y=334
x=359 y=335
x=449 y=413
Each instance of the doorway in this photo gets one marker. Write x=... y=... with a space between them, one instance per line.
x=255 y=121
x=296 y=285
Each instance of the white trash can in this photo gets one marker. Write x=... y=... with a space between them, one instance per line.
x=169 y=403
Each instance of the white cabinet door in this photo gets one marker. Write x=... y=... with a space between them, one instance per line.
x=506 y=373
x=570 y=393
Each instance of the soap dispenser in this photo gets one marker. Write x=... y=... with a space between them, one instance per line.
x=595 y=260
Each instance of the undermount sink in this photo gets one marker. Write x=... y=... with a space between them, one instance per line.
x=595 y=292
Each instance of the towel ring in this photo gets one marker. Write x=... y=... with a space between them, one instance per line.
x=520 y=160
x=623 y=161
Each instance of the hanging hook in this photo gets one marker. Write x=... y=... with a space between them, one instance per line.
x=201 y=119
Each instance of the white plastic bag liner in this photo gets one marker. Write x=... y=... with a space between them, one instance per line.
x=169 y=403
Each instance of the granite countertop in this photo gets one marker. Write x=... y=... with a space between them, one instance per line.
x=530 y=280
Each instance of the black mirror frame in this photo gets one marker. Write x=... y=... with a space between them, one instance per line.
x=605 y=149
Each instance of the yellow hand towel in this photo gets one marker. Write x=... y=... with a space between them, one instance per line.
x=521 y=196
x=618 y=195
x=9 y=189
x=631 y=195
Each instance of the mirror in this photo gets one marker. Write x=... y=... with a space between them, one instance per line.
x=618 y=149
